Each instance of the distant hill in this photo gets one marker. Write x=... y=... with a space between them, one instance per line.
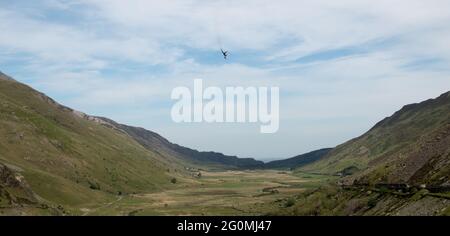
x=157 y=143
x=298 y=161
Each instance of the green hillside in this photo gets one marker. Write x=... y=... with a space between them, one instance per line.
x=68 y=159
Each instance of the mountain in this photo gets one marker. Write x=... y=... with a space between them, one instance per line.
x=411 y=146
x=69 y=159
x=401 y=166
x=298 y=161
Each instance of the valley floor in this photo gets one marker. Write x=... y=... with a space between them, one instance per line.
x=215 y=193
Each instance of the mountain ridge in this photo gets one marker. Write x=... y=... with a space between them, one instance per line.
x=155 y=141
x=401 y=166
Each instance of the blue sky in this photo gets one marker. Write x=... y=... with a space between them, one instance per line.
x=341 y=65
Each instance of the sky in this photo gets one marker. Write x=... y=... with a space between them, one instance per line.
x=341 y=66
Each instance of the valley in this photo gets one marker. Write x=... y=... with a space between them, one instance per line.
x=58 y=161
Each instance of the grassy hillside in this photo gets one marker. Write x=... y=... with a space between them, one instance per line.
x=69 y=160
